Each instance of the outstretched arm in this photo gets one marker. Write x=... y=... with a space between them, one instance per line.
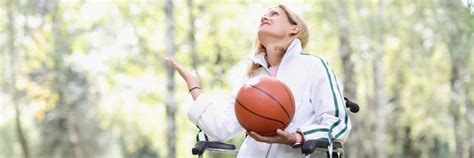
x=191 y=78
x=217 y=121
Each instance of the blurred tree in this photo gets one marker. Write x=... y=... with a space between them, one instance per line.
x=70 y=129
x=191 y=32
x=348 y=64
x=170 y=100
x=459 y=53
x=470 y=72
x=12 y=81
x=345 y=50
x=379 y=83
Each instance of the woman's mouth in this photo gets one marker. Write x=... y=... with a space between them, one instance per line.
x=265 y=23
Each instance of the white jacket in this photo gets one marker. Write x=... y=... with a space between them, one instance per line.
x=320 y=109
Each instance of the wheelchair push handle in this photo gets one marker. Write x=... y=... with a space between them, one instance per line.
x=353 y=107
x=310 y=146
x=201 y=146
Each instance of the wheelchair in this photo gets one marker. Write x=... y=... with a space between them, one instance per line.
x=308 y=148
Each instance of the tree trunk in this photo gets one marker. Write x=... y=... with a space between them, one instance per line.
x=15 y=95
x=456 y=85
x=19 y=130
x=458 y=59
x=191 y=37
x=379 y=84
x=410 y=150
x=455 y=107
x=470 y=119
x=60 y=135
x=345 y=50
x=61 y=47
x=170 y=100
x=70 y=129
x=192 y=40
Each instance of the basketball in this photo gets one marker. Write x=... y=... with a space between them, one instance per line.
x=264 y=105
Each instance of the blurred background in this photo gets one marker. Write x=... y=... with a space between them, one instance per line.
x=86 y=78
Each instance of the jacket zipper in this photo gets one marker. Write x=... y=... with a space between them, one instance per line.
x=270 y=148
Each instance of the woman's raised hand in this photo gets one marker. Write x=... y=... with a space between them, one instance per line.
x=191 y=78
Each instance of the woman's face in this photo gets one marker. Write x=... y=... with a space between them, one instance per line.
x=275 y=24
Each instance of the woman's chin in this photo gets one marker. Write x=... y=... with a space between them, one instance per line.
x=262 y=29
x=267 y=34
x=264 y=32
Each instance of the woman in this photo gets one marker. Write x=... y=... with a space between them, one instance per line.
x=320 y=111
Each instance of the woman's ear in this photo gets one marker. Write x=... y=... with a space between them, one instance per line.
x=294 y=29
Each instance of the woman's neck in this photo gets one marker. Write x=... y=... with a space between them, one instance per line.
x=274 y=56
x=275 y=48
x=275 y=52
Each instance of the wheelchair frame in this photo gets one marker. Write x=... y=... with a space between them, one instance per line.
x=309 y=146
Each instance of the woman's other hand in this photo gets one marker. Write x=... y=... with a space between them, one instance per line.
x=191 y=78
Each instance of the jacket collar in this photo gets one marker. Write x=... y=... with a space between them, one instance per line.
x=294 y=49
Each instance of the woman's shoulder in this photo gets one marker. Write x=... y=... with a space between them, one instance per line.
x=316 y=64
x=314 y=60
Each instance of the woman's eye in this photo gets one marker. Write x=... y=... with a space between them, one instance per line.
x=274 y=13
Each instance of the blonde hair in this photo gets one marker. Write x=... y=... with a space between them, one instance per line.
x=302 y=35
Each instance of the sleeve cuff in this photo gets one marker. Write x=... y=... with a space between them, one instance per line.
x=197 y=108
x=313 y=132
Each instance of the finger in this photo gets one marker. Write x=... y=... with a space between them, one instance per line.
x=253 y=135
x=282 y=133
x=177 y=67
x=258 y=137
x=170 y=59
x=171 y=62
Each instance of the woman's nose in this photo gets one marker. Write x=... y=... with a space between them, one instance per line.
x=263 y=18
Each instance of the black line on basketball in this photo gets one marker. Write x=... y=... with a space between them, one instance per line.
x=288 y=92
x=283 y=124
x=261 y=90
